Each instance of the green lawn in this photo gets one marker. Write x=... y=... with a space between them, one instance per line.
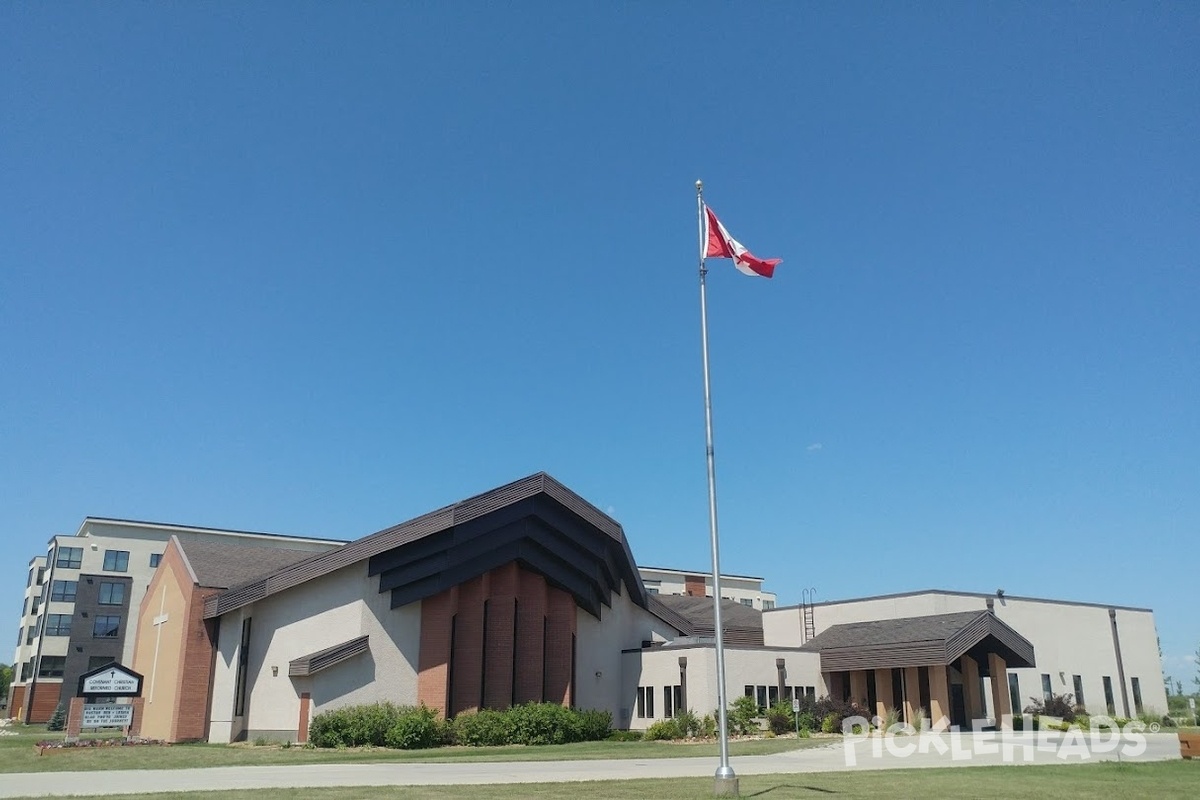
x=1075 y=782
x=17 y=753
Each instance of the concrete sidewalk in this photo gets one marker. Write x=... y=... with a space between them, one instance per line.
x=926 y=751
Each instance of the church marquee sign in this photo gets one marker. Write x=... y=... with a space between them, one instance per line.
x=111 y=680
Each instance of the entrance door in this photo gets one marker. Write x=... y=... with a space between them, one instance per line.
x=958 y=707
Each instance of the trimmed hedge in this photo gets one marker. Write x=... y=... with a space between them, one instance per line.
x=412 y=728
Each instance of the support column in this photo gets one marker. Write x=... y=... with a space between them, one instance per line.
x=858 y=687
x=433 y=670
x=467 y=675
x=971 y=698
x=683 y=687
x=531 y=627
x=74 y=717
x=939 y=694
x=501 y=640
x=135 y=725
x=912 y=694
x=1001 y=702
x=780 y=677
x=883 y=691
x=302 y=725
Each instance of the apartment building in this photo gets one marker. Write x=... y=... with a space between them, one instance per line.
x=743 y=589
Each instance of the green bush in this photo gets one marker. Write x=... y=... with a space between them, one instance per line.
x=485 y=728
x=417 y=730
x=708 y=726
x=743 y=716
x=58 y=720
x=829 y=724
x=358 y=726
x=544 y=723
x=664 y=729
x=594 y=725
x=808 y=723
x=1056 y=705
x=625 y=736
x=780 y=718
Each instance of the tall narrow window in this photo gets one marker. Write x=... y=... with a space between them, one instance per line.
x=1014 y=696
x=668 y=706
x=154 y=559
x=1047 y=688
x=1109 y=703
x=641 y=702
x=239 y=702
x=1078 y=690
x=1137 y=695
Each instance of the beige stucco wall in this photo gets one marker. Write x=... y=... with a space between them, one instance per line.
x=158 y=653
x=321 y=613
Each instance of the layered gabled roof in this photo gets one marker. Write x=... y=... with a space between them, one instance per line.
x=536 y=521
x=920 y=641
x=693 y=616
x=220 y=565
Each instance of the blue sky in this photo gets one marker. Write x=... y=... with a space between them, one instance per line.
x=318 y=268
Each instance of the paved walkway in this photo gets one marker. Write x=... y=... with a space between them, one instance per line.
x=926 y=751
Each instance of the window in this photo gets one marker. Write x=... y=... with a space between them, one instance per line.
x=116 y=560
x=25 y=608
x=37 y=603
x=30 y=634
x=244 y=667
x=1047 y=688
x=106 y=626
x=768 y=605
x=772 y=695
x=96 y=662
x=52 y=666
x=760 y=694
x=645 y=702
x=20 y=635
x=58 y=624
x=746 y=601
x=111 y=594
x=41 y=576
x=1137 y=695
x=29 y=580
x=1014 y=696
x=69 y=557
x=64 y=591
x=1078 y=690
x=154 y=559
x=1108 y=696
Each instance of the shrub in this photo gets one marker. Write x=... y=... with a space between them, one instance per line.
x=594 y=725
x=625 y=736
x=689 y=723
x=838 y=709
x=356 y=726
x=544 y=723
x=808 y=723
x=1056 y=705
x=663 y=730
x=891 y=716
x=708 y=726
x=780 y=718
x=484 y=728
x=743 y=716
x=416 y=730
x=830 y=724
x=58 y=720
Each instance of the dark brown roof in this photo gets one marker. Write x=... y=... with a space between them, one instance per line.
x=742 y=624
x=219 y=565
x=323 y=659
x=535 y=521
x=919 y=641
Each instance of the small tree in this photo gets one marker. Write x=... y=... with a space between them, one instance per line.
x=6 y=675
x=58 y=720
x=742 y=716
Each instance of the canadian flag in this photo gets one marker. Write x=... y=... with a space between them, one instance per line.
x=722 y=245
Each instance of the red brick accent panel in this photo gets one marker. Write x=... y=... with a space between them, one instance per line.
x=302 y=727
x=693 y=585
x=467 y=672
x=560 y=647
x=531 y=620
x=74 y=717
x=135 y=725
x=194 y=681
x=45 y=700
x=16 y=699
x=433 y=660
x=498 y=660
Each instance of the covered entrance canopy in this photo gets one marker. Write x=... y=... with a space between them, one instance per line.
x=928 y=666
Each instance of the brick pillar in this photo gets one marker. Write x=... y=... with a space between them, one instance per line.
x=135 y=725
x=531 y=621
x=939 y=693
x=502 y=614
x=468 y=647
x=883 y=691
x=74 y=717
x=302 y=727
x=433 y=659
x=1001 y=702
x=971 y=699
x=559 y=652
x=912 y=694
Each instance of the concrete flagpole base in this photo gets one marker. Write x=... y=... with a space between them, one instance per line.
x=725 y=787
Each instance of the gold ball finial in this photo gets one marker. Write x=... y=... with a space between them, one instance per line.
x=699 y=184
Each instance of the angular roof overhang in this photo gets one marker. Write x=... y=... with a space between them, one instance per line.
x=938 y=639
x=323 y=659
x=535 y=521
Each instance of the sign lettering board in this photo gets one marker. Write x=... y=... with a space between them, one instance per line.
x=1192 y=703
x=112 y=680
x=795 y=706
x=107 y=715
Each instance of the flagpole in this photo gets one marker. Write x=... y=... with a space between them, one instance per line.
x=726 y=780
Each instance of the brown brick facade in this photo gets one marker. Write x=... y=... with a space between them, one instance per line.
x=693 y=586
x=16 y=699
x=45 y=700
x=499 y=639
